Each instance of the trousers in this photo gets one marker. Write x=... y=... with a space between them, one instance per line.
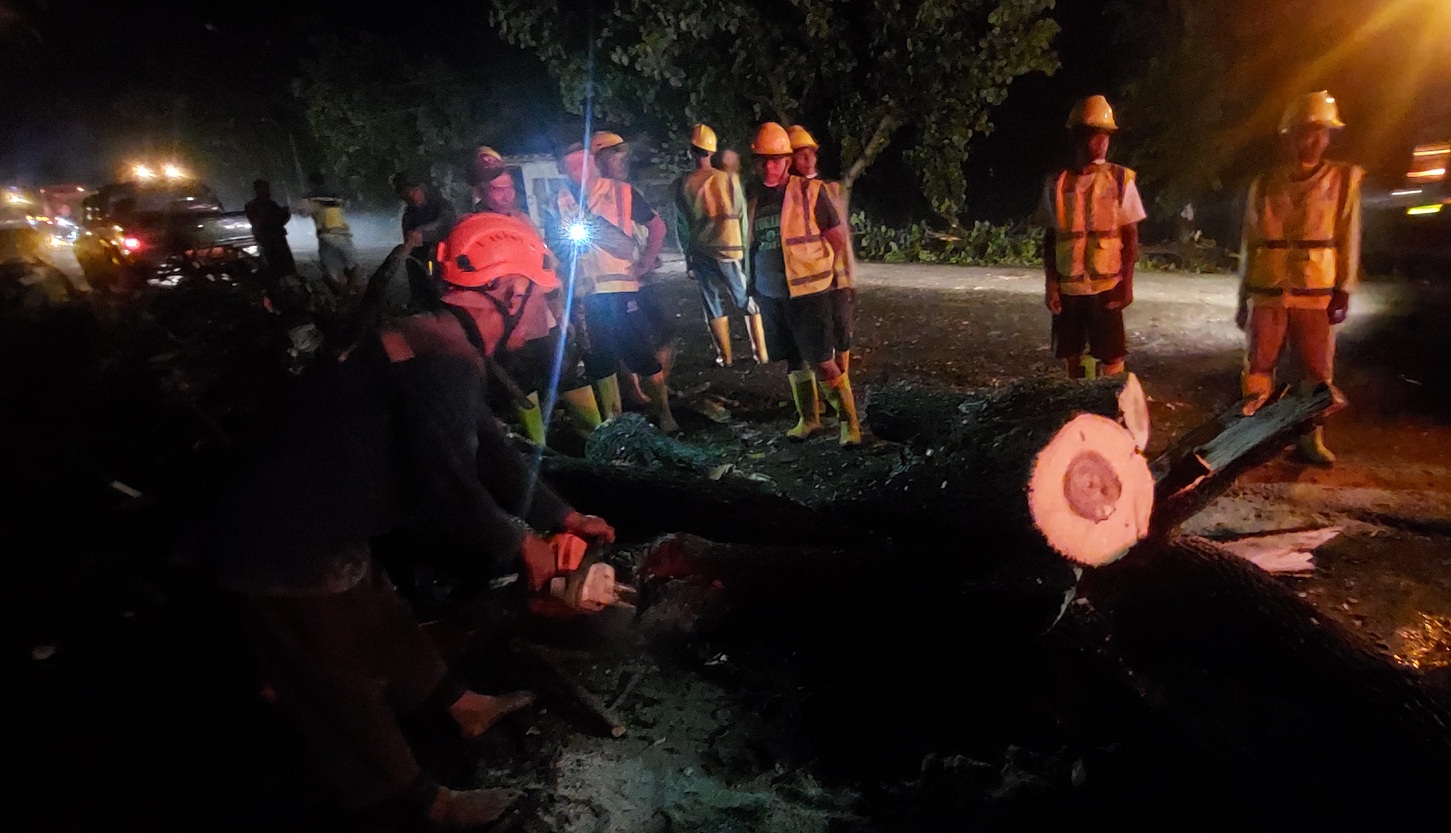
x=344 y=665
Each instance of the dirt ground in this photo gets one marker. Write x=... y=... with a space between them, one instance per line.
x=154 y=712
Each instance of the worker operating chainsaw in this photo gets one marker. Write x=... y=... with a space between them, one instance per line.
x=396 y=431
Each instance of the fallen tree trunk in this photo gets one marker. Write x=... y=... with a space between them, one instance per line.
x=927 y=418
x=1303 y=710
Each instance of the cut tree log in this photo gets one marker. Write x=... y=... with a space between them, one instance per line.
x=1077 y=485
x=925 y=418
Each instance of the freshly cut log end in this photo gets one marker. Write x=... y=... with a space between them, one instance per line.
x=1090 y=492
x=1134 y=410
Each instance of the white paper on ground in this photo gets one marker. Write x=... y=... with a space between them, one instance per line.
x=1286 y=552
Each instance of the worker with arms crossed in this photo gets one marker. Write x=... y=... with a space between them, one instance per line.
x=592 y=230
x=843 y=293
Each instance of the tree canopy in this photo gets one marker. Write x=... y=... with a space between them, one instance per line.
x=926 y=75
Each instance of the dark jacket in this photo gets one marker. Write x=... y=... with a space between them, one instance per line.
x=390 y=434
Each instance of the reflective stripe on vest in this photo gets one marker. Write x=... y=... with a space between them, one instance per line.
x=1292 y=243
x=1088 y=251
x=613 y=235
x=716 y=214
x=810 y=261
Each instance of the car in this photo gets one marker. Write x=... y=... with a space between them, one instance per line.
x=158 y=231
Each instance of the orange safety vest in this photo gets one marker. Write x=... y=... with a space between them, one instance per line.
x=847 y=264
x=1295 y=231
x=810 y=260
x=1088 y=251
x=717 y=214
x=606 y=261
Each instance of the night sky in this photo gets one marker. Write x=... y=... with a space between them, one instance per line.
x=81 y=75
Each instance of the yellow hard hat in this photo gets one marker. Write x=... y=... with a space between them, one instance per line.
x=486 y=152
x=1093 y=112
x=801 y=137
x=1317 y=108
x=604 y=140
x=703 y=137
x=771 y=140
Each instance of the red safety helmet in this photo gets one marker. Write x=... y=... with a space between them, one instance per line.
x=485 y=247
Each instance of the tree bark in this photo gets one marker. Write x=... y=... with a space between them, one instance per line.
x=928 y=418
x=874 y=146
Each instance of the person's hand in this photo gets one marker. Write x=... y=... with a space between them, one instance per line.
x=569 y=551
x=1055 y=301
x=413 y=239
x=1121 y=296
x=1241 y=315
x=1339 y=306
x=540 y=561
x=592 y=528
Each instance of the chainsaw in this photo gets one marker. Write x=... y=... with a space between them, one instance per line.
x=591 y=586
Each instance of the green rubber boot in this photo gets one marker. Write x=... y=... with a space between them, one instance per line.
x=532 y=419
x=1312 y=448
x=608 y=391
x=843 y=401
x=808 y=404
x=582 y=408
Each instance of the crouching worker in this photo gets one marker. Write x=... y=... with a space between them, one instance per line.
x=397 y=429
x=496 y=276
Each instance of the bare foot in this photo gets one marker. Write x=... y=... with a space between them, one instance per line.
x=462 y=809
x=476 y=713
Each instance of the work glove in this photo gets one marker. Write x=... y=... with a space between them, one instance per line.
x=1241 y=314
x=589 y=527
x=1339 y=306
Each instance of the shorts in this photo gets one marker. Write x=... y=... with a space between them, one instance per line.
x=652 y=303
x=532 y=365
x=799 y=329
x=335 y=253
x=618 y=329
x=1087 y=322
x=843 y=318
x=720 y=280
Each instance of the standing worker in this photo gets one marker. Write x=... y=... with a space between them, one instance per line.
x=334 y=238
x=843 y=294
x=612 y=157
x=593 y=231
x=710 y=218
x=397 y=432
x=1091 y=212
x=269 y=226
x=797 y=243
x=1300 y=258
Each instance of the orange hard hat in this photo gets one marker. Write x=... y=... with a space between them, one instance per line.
x=604 y=140
x=485 y=247
x=801 y=137
x=771 y=140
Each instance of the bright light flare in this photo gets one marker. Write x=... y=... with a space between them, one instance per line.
x=1429 y=173
x=173 y=171
x=578 y=232
x=16 y=198
x=1406 y=192
x=131 y=244
x=1422 y=210
x=145 y=173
